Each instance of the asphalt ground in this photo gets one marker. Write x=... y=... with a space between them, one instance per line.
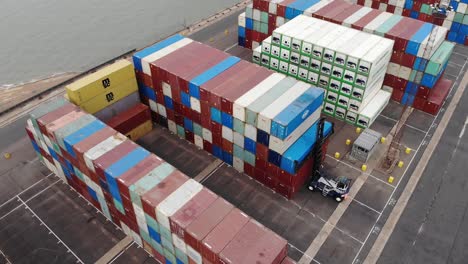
x=43 y=219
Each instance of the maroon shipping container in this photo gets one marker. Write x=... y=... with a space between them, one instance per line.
x=423 y=92
x=402 y=39
x=222 y=234
x=209 y=219
x=184 y=64
x=233 y=72
x=130 y=119
x=330 y=7
x=361 y=23
x=254 y=244
x=419 y=103
x=86 y=144
x=112 y=156
x=408 y=59
x=50 y=117
x=344 y=14
x=137 y=172
x=180 y=220
x=63 y=121
x=249 y=169
x=227 y=146
x=281 y=8
x=239 y=88
x=438 y=95
x=153 y=197
x=398 y=29
x=397 y=95
x=339 y=9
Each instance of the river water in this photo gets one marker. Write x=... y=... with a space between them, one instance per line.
x=41 y=38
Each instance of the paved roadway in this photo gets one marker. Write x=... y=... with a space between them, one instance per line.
x=432 y=228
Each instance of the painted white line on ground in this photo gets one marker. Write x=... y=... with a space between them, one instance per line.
x=303 y=253
x=367 y=206
x=364 y=173
x=50 y=230
x=5 y=257
x=462 y=132
x=11 y=199
x=18 y=198
x=391 y=222
x=410 y=126
x=230 y=47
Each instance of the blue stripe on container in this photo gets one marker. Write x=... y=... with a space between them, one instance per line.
x=120 y=167
x=293 y=115
x=194 y=84
x=82 y=134
x=295 y=154
x=168 y=102
x=185 y=98
x=188 y=124
x=52 y=153
x=241 y=31
x=154 y=235
x=248 y=23
x=92 y=193
x=227 y=157
x=216 y=115
x=263 y=137
x=418 y=38
x=274 y=158
x=217 y=152
x=148 y=92
x=250 y=145
x=138 y=56
x=227 y=120
x=36 y=147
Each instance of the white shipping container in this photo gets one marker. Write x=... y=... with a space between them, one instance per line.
x=153 y=105
x=227 y=134
x=250 y=132
x=241 y=20
x=102 y=148
x=162 y=110
x=268 y=114
x=309 y=11
x=140 y=217
x=176 y=200
x=207 y=135
x=377 y=22
x=356 y=16
x=179 y=243
x=253 y=94
x=172 y=126
x=238 y=164
x=194 y=255
x=238 y=139
x=280 y=146
x=198 y=141
x=368 y=115
x=195 y=104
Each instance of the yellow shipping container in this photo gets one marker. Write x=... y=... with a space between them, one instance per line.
x=140 y=130
x=110 y=96
x=99 y=82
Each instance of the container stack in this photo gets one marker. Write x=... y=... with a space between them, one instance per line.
x=349 y=64
x=456 y=21
x=260 y=122
x=111 y=95
x=173 y=217
x=420 y=54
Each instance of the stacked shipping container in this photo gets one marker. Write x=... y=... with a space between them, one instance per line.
x=257 y=121
x=172 y=216
x=111 y=95
x=419 y=57
x=455 y=21
x=349 y=64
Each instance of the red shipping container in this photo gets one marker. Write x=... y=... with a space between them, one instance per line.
x=361 y=23
x=137 y=172
x=153 y=197
x=61 y=122
x=222 y=234
x=389 y=80
x=207 y=146
x=259 y=175
x=408 y=60
x=262 y=151
x=227 y=145
x=321 y=13
x=112 y=156
x=417 y=5
x=397 y=95
x=281 y=9
x=438 y=95
x=196 y=117
x=232 y=91
x=423 y=92
x=188 y=213
x=391 y=8
x=179 y=119
x=189 y=136
x=400 y=84
x=419 y=103
x=406 y=12
x=261 y=164
x=177 y=107
x=217 y=140
x=130 y=119
x=216 y=128
x=344 y=14
x=254 y=244
x=170 y=115
x=249 y=169
x=50 y=117
x=205 y=222
x=329 y=16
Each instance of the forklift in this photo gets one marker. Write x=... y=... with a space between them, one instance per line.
x=334 y=187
